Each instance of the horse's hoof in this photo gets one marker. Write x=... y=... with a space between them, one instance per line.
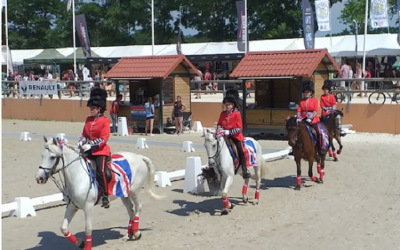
x=225 y=212
x=317 y=180
x=336 y=159
x=255 y=202
x=339 y=151
x=321 y=181
x=330 y=155
x=127 y=237
x=297 y=188
x=245 y=200
x=81 y=245
x=231 y=206
x=137 y=235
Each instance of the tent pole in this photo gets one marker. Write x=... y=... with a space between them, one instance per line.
x=365 y=39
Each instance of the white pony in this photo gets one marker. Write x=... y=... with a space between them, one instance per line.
x=80 y=192
x=219 y=158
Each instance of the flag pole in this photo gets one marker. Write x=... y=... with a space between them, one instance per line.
x=6 y=23
x=73 y=35
x=365 y=37
x=246 y=27
x=152 y=27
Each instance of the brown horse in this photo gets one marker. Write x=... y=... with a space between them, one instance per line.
x=332 y=124
x=304 y=148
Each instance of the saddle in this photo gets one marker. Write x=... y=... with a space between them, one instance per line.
x=234 y=152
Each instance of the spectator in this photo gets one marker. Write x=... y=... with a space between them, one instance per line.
x=367 y=75
x=149 y=115
x=215 y=84
x=207 y=77
x=48 y=77
x=71 y=85
x=114 y=112
x=57 y=79
x=345 y=73
x=198 y=84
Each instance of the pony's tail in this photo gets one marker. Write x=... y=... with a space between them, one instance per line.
x=150 y=179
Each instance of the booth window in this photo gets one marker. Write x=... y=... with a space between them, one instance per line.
x=168 y=90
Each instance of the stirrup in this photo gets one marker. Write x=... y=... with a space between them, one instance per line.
x=105 y=201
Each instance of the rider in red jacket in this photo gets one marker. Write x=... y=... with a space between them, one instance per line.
x=231 y=121
x=94 y=140
x=328 y=100
x=308 y=108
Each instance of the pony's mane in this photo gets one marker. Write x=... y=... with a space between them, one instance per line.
x=50 y=144
x=339 y=112
x=292 y=122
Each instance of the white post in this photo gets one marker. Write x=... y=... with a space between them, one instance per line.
x=246 y=27
x=6 y=19
x=73 y=32
x=365 y=39
x=152 y=27
x=330 y=23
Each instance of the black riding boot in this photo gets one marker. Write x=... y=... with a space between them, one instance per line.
x=242 y=158
x=102 y=174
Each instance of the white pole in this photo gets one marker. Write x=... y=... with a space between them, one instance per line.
x=246 y=27
x=73 y=32
x=330 y=23
x=152 y=27
x=6 y=24
x=365 y=39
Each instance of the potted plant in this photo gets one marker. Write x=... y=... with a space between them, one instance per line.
x=132 y=126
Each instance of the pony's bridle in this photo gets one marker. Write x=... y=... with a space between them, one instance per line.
x=216 y=155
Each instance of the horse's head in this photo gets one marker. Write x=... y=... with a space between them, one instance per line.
x=338 y=114
x=291 y=128
x=211 y=145
x=50 y=158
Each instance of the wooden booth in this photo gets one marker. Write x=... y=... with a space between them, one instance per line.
x=277 y=77
x=161 y=77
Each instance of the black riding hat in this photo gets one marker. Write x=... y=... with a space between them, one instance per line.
x=327 y=85
x=308 y=85
x=98 y=97
x=231 y=99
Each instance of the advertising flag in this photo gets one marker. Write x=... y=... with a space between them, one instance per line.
x=242 y=32
x=178 y=44
x=69 y=4
x=308 y=25
x=379 y=14
x=83 y=34
x=322 y=12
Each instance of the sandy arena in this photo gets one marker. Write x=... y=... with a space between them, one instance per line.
x=357 y=207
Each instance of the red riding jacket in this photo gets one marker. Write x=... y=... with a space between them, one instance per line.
x=97 y=131
x=328 y=102
x=308 y=108
x=232 y=121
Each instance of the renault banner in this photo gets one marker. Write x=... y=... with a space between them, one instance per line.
x=322 y=12
x=83 y=34
x=38 y=87
x=379 y=14
x=308 y=25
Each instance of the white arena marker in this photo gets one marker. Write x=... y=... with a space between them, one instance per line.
x=122 y=126
x=197 y=127
x=187 y=146
x=162 y=179
x=24 y=208
x=193 y=182
x=25 y=136
x=141 y=143
x=61 y=136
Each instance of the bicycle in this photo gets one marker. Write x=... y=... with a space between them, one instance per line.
x=341 y=96
x=379 y=96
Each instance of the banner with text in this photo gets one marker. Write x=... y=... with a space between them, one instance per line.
x=38 y=87
x=242 y=32
x=81 y=28
x=379 y=14
x=398 y=16
x=322 y=11
x=308 y=25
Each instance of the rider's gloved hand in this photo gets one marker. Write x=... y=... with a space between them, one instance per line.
x=298 y=119
x=308 y=120
x=226 y=132
x=86 y=147
x=81 y=142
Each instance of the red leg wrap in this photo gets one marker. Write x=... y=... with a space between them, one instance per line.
x=71 y=237
x=130 y=232
x=334 y=154
x=319 y=168
x=88 y=245
x=321 y=174
x=313 y=178
x=244 y=190
x=330 y=152
x=135 y=226
x=299 y=180
x=257 y=197
x=225 y=200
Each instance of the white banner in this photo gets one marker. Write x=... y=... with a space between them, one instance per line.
x=38 y=87
x=322 y=13
x=4 y=52
x=379 y=14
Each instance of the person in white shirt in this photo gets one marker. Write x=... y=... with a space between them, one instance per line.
x=198 y=84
